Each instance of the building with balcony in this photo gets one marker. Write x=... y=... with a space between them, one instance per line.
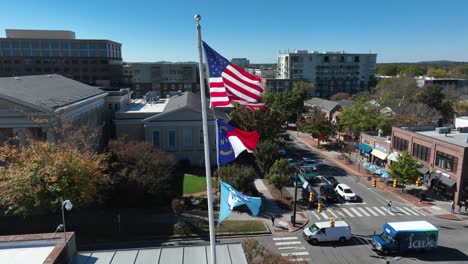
x=163 y=78
x=241 y=62
x=38 y=52
x=329 y=72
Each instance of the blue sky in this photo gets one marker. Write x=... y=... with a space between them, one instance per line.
x=399 y=31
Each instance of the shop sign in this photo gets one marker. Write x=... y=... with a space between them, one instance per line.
x=380 y=147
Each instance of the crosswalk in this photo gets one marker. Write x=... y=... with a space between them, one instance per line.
x=292 y=247
x=365 y=211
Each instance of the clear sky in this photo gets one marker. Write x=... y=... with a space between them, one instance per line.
x=155 y=30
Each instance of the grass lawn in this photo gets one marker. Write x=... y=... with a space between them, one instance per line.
x=194 y=183
x=241 y=226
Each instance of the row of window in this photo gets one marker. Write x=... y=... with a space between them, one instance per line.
x=172 y=137
x=444 y=161
x=57 y=52
x=53 y=61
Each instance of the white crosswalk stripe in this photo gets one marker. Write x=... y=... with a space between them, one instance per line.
x=331 y=212
x=363 y=211
x=356 y=212
x=324 y=215
x=305 y=253
x=287 y=243
x=371 y=211
x=378 y=211
x=388 y=212
x=283 y=248
x=292 y=248
x=316 y=215
x=419 y=211
x=284 y=238
x=347 y=212
x=411 y=211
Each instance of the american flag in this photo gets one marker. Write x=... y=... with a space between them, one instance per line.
x=229 y=82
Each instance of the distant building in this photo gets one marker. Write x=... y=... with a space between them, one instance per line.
x=329 y=72
x=277 y=85
x=36 y=52
x=162 y=78
x=262 y=73
x=171 y=124
x=37 y=104
x=241 y=62
x=331 y=109
x=445 y=82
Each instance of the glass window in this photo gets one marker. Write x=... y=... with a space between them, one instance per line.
x=400 y=144
x=187 y=136
x=171 y=138
x=84 y=45
x=34 y=44
x=83 y=53
x=25 y=44
x=446 y=162
x=421 y=152
x=54 y=45
x=92 y=45
x=46 y=53
x=156 y=139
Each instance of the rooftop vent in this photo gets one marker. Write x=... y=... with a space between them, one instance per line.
x=17 y=78
x=462 y=129
x=442 y=130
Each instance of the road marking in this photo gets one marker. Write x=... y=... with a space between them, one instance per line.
x=298 y=248
x=362 y=241
x=411 y=211
x=363 y=211
x=284 y=238
x=347 y=212
x=344 y=204
x=324 y=215
x=388 y=212
x=287 y=243
x=316 y=215
x=403 y=210
x=303 y=253
x=356 y=212
x=331 y=212
x=419 y=211
x=380 y=212
x=300 y=259
x=372 y=212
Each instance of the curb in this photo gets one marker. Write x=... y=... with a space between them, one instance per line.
x=300 y=227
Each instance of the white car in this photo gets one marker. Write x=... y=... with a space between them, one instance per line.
x=345 y=192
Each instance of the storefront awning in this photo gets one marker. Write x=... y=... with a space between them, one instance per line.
x=379 y=154
x=449 y=182
x=393 y=156
x=423 y=170
x=365 y=147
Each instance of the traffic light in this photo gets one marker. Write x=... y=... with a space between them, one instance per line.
x=320 y=208
x=311 y=197
x=332 y=221
x=374 y=182
x=395 y=183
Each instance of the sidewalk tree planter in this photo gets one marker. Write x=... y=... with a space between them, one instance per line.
x=405 y=169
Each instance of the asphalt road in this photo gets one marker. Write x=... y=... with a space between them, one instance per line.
x=366 y=216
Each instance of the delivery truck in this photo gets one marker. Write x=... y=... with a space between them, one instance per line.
x=406 y=236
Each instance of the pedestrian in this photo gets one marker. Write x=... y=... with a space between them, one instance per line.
x=459 y=206
x=389 y=206
x=452 y=207
x=466 y=204
x=420 y=196
x=272 y=220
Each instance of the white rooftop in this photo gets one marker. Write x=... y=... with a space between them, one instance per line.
x=413 y=226
x=327 y=224
x=141 y=106
x=30 y=252
x=454 y=137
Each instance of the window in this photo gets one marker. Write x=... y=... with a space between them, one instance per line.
x=326 y=59
x=400 y=144
x=171 y=138
x=200 y=137
x=421 y=152
x=446 y=162
x=156 y=139
x=187 y=136
x=356 y=58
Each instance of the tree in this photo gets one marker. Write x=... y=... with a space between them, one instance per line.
x=411 y=70
x=360 y=116
x=317 y=125
x=460 y=71
x=433 y=97
x=288 y=104
x=387 y=69
x=437 y=73
x=280 y=174
x=259 y=254
x=265 y=155
x=39 y=174
x=239 y=177
x=266 y=122
x=394 y=91
x=302 y=89
x=139 y=163
x=405 y=169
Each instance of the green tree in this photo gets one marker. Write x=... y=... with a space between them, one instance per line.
x=265 y=155
x=280 y=174
x=460 y=71
x=266 y=122
x=288 y=104
x=433 y=97
x=151 y=169
x=405 y=169
x=302 y=89
x=39 y=174
x=411 y=70
x=360 y=116
x=239 y=177
x=317 y=125
x=437 y=73
x=387 y=69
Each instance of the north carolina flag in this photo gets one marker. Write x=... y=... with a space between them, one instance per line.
x=229 y=82
x=232 y=141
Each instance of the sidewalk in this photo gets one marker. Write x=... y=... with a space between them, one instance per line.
x=438 y=208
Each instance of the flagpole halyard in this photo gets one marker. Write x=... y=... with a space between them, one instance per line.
x=206 y=146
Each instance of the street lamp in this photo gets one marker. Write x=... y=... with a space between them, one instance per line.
x=65 y=205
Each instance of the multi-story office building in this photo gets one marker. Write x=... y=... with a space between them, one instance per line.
x=329 y=72
x=164 y=78
x=36 y=52
x=241 y=62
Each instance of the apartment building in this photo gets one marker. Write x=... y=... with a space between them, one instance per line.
x=329 y=72
x=241 y=62
x=163 y=78
x=37 y=52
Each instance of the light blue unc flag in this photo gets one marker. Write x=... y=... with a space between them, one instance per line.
x=231 y=198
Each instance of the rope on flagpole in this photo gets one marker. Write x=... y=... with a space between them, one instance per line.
x=209 y=191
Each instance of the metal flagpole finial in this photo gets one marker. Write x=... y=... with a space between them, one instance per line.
x=197 y=18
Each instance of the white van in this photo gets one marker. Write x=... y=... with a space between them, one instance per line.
x=321 y=232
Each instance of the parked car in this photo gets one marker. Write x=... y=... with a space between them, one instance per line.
x=292 y=162
x=281 y=151
x=331 y=180
x=345 y=192
x=322 y=232
x=309 y=162
x=308 y=172
x=299 y=181
x=328 y=193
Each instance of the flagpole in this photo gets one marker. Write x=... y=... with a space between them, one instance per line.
x=206 y=145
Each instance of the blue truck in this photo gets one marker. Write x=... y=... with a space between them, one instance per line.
x=406 y=236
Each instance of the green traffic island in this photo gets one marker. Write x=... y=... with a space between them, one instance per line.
x=228 y=227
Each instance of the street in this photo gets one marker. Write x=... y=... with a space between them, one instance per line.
x=365 y=217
